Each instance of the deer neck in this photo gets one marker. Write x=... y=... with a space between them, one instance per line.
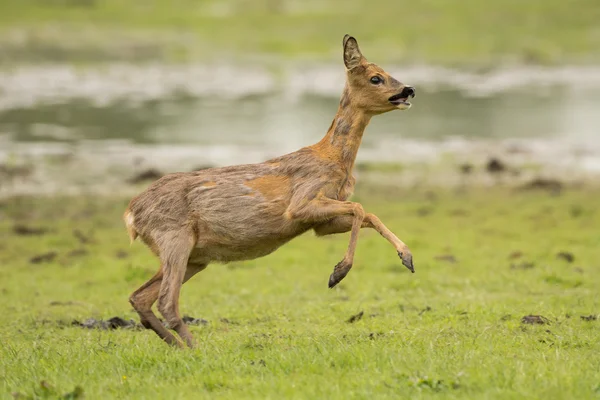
x=344 y=136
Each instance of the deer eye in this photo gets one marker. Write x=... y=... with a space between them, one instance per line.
x=376 y=80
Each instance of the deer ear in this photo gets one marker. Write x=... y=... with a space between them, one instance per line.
x=352 y=54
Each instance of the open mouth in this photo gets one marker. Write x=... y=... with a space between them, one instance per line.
x=400 y=99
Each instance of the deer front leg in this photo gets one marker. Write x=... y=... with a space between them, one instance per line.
x=322 y=208
x=343 y=224
x=403 y=252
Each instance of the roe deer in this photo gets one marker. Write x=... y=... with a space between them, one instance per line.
x=247 y=211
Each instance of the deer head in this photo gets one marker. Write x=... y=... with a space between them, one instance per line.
x=369 y=87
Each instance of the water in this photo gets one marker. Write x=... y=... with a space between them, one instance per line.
x=84 y=128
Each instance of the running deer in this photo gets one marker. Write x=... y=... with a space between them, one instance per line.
x=243 y=212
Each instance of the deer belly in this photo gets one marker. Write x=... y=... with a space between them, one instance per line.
x=243 y=250
x=240 y=241
x=227 y=253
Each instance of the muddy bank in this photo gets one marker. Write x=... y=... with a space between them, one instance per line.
x=27 y=85
x=124 y=169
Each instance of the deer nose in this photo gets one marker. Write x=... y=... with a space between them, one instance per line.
x=408 y=91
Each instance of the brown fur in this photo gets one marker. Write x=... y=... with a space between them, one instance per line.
x=271 y=187
x=247 y=211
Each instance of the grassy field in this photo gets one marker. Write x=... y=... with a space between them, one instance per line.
x=484 y=259
x=435 y=31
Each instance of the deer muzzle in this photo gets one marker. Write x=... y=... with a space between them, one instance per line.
x=400 y=100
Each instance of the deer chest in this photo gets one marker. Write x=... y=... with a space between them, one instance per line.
x=346 y=189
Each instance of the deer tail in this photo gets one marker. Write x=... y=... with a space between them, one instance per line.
x=129 y=220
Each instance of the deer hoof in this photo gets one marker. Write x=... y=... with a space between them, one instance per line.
x=407 y=260
x=339 y=272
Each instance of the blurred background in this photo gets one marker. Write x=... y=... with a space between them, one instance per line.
x=97 y=94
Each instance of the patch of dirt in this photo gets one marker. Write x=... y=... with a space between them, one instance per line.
x=446 y=257
x=112 y=323
x=576 y=211
x=356 y=317
x=466 y=168
x=495 y=166
x=121 y=254
x=553 y=186
x=567 y=256
x=535 y=319
x=522 y=265
x=424 y=211
x=589 y=317
x=459 y=213
x=515 y=254
x=118 y=322
x=77 y=253
x=10 y=172
x=150 y=174
x=194 y=321
x=228 y=321
x=261 y=362
x=62 y=303
x=24 y=230
x=47 y=391
x=426 y=309
x=431 y=384
x=83 y=239
x=43 y=258
x=375 y=335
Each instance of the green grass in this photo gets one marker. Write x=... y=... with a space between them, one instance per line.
x=451 y=330
x=435 y=31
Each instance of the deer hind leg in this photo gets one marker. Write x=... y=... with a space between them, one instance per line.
x=142 y=300
x=175 y=265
